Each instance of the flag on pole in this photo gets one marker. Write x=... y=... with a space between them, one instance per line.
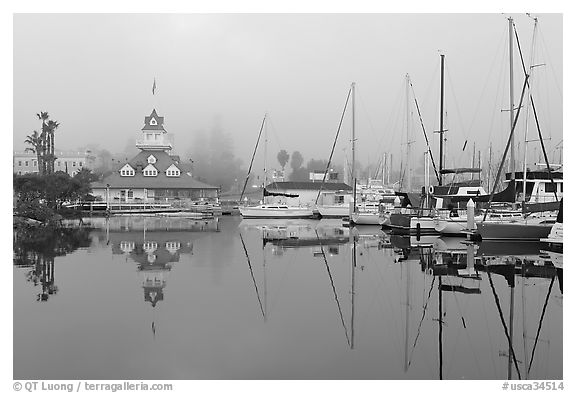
x=154 y=86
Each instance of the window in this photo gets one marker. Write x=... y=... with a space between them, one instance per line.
x=19 y=163
x=173 y=171
x=130 y=194
x=126 y=170
x=549 y=187
x=73 y=163
x=35 y=163
x=26 y=163
x=58 y=163
x=150 y=170
x=80 y=163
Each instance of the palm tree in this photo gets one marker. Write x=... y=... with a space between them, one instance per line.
x=44 y=137
x=35 y=143
x=52 y=126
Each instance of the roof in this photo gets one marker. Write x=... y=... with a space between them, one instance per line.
x=185 y=181
x=541 y=174
x=159 y=121
x=163 y=162
x=308 y=185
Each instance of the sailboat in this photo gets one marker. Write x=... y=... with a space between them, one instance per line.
x=420 y=220
x=274 y=209
x=368 y=212
x=531 y=228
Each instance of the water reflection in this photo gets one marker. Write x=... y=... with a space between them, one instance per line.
x=514 y=262
x=36 y=248
x=293 y=299
x=155 y=244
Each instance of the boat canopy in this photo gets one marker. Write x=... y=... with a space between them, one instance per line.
x=280 y=194
x=460 y=170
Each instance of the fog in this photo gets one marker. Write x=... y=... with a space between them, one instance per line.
x=94 y=73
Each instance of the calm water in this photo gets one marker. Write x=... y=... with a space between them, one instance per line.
x=159 y=298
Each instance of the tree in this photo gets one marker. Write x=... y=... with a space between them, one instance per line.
x=35 y=143
x=316 y=165
x=296 y=161
x=43 y=116
x=52 y=127
x=283 y=158
x=213 y=158
x=46 y=147
x=84 y=177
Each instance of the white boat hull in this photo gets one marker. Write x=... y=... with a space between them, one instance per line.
x=275 y=211
x=367 y=219
x=334 y=211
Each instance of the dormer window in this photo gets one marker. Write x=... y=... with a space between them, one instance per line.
x=150 y=170
x=127 y=170
x=153 y=122
x=151 y=159
x=173 y=171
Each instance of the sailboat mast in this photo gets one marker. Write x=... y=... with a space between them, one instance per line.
x=353 y=282
x=510 y=50
x=354 y=142
x=441 y=118
x=408 y=164
x=265 y=153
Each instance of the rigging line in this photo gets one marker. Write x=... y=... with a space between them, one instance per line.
x=536 y=118
x=558 y=85
x=488 y=79
x=541 y=319
x=280 y=143
x=389 y=124
x=464 y=324
x=459 y=115
x=504 y=324
x=486 y=319
x=252 y=160
x=496 y=103
x=421 y=320
x=363 y=106
x=333 y=288
x=333 y=145
x=424 y=131
x=252 y=274
x=507 y=148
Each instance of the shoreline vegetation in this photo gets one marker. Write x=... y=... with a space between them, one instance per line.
x=38 y=199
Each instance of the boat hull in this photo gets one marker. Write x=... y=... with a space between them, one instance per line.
x=290 y=212
x=411 y=224
x=333 y=211
x=512 y=231
x=368 y=219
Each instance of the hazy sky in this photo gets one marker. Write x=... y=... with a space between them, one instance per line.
x=94 y=73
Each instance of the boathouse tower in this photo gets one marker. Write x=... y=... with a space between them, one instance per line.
x=154 y=136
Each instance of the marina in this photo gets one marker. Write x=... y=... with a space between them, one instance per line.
x=269 y=196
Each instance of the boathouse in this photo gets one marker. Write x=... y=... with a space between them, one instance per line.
x=153 y=175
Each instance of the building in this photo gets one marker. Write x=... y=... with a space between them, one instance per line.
x=70 y=162
x=331 y=176
x=153 y=175
x=296 y=193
